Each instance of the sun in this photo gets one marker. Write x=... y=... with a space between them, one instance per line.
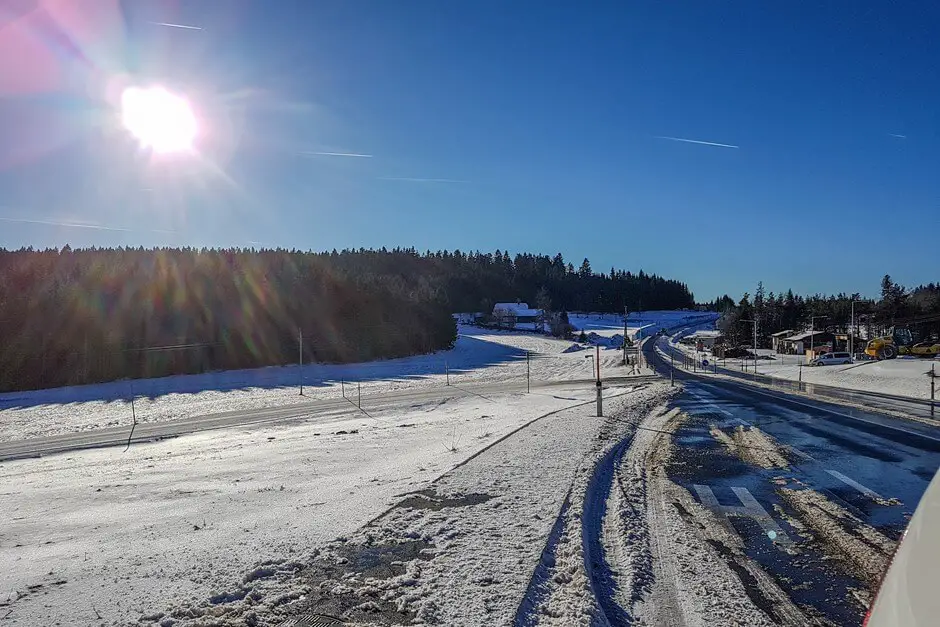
x=158 y=119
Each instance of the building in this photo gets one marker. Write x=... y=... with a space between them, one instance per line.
x=776 y=339
x=799 y=344
x=705 y=340
x=516 y=314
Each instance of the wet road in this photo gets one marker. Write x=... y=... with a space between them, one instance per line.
x=876 y=467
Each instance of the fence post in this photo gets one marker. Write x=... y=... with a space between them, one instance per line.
x=342 y=383
x=446 y=372
x=528 y=387
x=359 y=390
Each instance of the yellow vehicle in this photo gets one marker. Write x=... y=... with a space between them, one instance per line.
x=900 y=341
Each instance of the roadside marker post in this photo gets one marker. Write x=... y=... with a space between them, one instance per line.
x=933 y=385
x=528 y=384
x=300 y=358
x=359 y=390
x=597 y=384
x=342 y=384
x=446 y=372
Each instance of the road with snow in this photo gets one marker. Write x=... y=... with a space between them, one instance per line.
x=860 y=475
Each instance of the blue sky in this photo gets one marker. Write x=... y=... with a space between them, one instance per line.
x=528 y=126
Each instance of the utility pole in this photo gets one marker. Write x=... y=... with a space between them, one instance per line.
x=852 y=329
x=754 y=322
x=300 y=357
x=812 y=336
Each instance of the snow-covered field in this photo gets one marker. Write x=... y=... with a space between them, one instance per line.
x=480 y=356
x=106 y=537
x=639 y=324
x=901 y=376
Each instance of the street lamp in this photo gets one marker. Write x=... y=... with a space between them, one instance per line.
x=812 y=333
x=852 y=327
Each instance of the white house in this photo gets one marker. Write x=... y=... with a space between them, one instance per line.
x=520 y=313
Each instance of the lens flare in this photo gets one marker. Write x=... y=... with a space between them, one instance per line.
x=158 y=119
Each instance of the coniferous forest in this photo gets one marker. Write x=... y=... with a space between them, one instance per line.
x=84 y=316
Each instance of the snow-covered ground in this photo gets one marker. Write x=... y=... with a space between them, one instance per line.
x=107 y=537
x=479 y=356
x=639 y=324
x=901 y=376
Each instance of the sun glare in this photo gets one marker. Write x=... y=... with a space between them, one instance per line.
x=158 y=119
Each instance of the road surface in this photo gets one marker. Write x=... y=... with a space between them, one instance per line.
x=871 y=465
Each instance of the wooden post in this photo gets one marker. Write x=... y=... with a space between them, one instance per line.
x=446 y=372
x=359 y=390
x=300 y=357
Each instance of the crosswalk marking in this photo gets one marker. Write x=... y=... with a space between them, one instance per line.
x=749 y=508
x=855 y=484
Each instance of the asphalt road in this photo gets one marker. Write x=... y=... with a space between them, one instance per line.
x=321 y=409
x=873 y=465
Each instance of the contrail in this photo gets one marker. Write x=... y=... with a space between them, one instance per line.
x=898 y=136
x=418 y=180
x=79 y=225
x=695 y=141
x=338 y=154
x=171 y=25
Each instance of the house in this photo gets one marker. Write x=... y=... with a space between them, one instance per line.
x=516 y=314
x=705 y=339
x=776 y=339
x=802 y=342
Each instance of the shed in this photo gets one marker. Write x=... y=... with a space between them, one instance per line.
x=776 y=339
x=801 y=342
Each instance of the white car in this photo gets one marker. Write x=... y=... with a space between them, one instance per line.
x=908 y=595
x=831 y=359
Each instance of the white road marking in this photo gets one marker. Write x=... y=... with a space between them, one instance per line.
x=708 y=402
x=799 y=453
x=749 y=508
x=855 y=484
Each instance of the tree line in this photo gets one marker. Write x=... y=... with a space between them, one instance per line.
x=92 y=315
x=783 y=311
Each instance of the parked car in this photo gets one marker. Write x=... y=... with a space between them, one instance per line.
x=831 y=359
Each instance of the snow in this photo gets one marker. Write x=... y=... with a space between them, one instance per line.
x=479 y=356
x=172 y=524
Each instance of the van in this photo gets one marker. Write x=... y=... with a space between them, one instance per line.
x=831 y=359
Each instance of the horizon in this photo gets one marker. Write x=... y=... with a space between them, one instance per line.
x=718 y=146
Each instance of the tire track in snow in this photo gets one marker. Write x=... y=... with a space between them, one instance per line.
x=600 y=573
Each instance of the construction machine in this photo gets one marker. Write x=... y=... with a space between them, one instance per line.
x=900 y=341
